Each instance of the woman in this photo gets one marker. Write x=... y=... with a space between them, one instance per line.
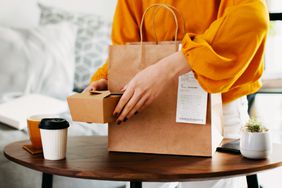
x=222 y=43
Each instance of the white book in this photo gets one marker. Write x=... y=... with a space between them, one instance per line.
x=15 y=112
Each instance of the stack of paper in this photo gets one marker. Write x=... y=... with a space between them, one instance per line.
x=15 y=113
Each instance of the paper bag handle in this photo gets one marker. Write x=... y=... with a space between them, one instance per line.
x=175 y=10
x=163 y=6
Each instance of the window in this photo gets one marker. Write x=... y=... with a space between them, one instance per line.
x=273 y=52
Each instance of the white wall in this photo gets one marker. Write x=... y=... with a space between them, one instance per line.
x=15 y=13
x=274 y=5
x=25 y=13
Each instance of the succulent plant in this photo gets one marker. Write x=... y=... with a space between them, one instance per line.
x=253 y=125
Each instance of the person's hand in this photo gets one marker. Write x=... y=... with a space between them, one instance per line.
x=101 y=84
x=148 y=84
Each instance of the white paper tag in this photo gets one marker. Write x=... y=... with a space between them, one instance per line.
x=191 y=100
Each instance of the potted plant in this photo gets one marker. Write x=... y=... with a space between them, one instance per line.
x=255 y=142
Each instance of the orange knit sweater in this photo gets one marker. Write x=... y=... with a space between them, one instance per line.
x=223 y=40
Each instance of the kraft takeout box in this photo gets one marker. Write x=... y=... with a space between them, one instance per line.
x=93 y=107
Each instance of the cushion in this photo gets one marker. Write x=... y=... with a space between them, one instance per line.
x=93 y=38
x=105 y=8
x=39 y=60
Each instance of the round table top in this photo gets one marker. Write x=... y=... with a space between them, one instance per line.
x=88 y=157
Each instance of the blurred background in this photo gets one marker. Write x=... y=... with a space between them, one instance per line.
x=52 y=47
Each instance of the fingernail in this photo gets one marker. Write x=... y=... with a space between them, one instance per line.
x=116 y=114
x=118 y=122
x=136 y=113
x=125 y=119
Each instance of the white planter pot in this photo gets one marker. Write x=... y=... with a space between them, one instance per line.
x=255 y=145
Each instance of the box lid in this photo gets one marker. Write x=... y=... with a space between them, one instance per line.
x=94 y=94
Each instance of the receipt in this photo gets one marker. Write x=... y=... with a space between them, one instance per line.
x=191 y=100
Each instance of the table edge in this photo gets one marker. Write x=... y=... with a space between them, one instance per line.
x=152 y=178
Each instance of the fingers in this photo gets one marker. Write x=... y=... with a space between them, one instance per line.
x=137 y=107
x=146 y=103
x=129 y=106
x=122 y=102
x=101 y=84
x=90 y=88
x=124 y=88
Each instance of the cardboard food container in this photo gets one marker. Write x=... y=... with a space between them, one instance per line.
x=93 y=107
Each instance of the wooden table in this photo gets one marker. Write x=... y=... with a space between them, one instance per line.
x=87 y=157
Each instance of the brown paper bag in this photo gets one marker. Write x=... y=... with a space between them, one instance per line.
x=155 y=130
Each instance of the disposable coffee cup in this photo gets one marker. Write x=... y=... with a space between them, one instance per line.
x=53 y=133
x=33 y=129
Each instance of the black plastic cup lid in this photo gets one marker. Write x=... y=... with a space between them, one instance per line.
x=53 y=123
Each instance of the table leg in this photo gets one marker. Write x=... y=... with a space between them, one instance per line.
x=135 y=184
x=47 y=180
x=252 y=181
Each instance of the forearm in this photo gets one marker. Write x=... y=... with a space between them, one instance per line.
x=174 y=65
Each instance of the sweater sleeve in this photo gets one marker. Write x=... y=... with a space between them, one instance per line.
x=101 y=73
x=222 y=54
x=124 y=29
